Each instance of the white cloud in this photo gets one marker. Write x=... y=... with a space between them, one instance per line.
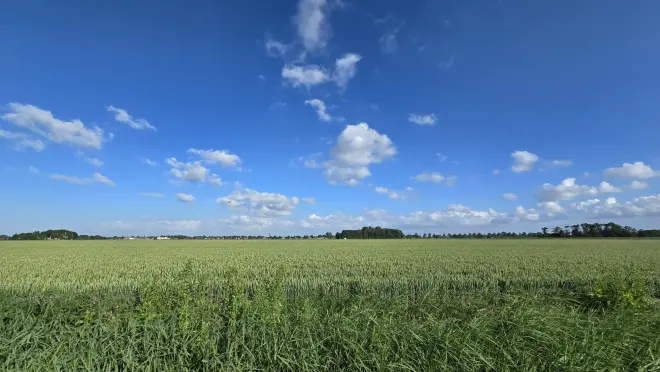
x=180 y=224
x=215 y=180
x=561 y=163
x=638 y=185
x=22 y=141
x=637 y=170
x=441 y=157
x=394 y=195
x=639 y=207
x=124 y=117
x=33 y=169
x=309 y=200
x=434 y=177
x=496 y=171
x=219 y=157
x=510 y=196
x=307 y=76
x=350 y=176
x=191 y=171
x=36 y=145
x=275 y=48
x=381 y=190
x=311 y=163
x=522 y=214
x=94 y=161
x=152 y=195
x=523 y=161
x=388 y=42
x=42 y=123
x=150 y=163
x=345 y=69
x=312 y=75
x=357 y=147
x=320 y=109
x=550 y=207
x=451 y=180
x=336 y=221
x=606 y=187
x=429 y=119
x=11 y=135
x=454 y=215
x=569 y=190
x=252 y=222
x=186 y=198
x=409 y=188
x=155 y=227
x=585 y=205
x=262 y=203
x=312 y=24
x=96 y=178
x=566 y=190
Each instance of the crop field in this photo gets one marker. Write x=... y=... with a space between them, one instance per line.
x=404 y=305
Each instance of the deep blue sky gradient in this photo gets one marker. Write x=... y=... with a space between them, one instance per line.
x=569 y=80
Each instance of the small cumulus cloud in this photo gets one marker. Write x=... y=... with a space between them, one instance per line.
x=523 y=161
x=185 y=198
x=428 y=119
x=637 y=170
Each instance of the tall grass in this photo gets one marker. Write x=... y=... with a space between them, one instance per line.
x=330 y=305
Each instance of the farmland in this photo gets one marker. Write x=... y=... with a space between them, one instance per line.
x=532 y=304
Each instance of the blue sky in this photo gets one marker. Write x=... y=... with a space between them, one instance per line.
x=306 y=116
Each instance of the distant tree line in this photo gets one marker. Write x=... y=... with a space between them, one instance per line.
x=46 y=235
x=369 y=232
x=583 y=230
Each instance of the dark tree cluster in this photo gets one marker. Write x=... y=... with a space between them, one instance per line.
x=45 y=235
x=598 y=230
x=369 y=232
x=93 y=237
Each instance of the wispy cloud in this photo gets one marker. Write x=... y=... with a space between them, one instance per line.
x=321 y=110
x=428 y=119
x=44 y=124
x=152 y=195
x=123 y=116
x=96 y=178
x=388 y=42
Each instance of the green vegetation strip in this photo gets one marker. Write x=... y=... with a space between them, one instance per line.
x=408 y=305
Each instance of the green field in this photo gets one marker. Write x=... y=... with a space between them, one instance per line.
x=408 y=305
